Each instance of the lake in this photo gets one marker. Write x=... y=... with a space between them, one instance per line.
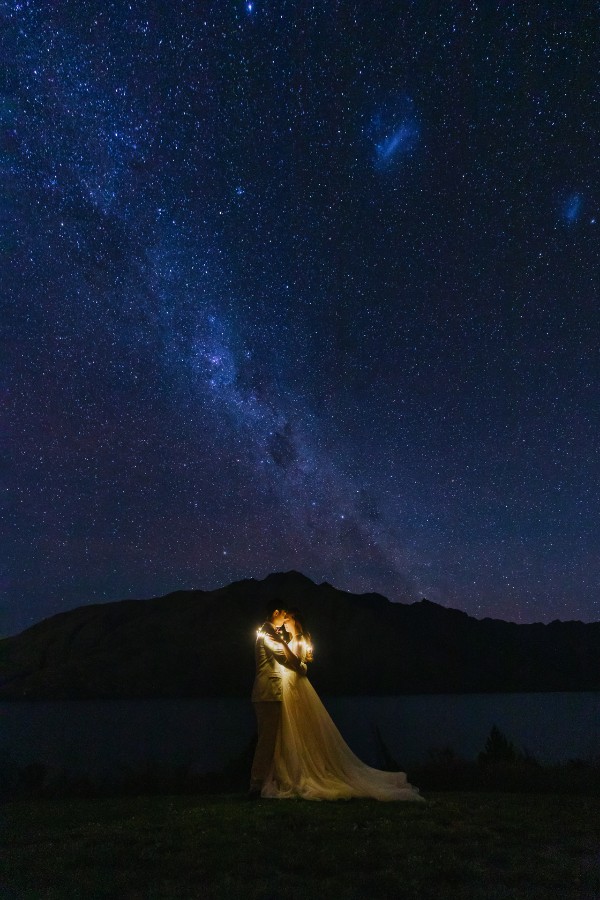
x=104 y=735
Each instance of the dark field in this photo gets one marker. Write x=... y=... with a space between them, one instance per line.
x=467 y=845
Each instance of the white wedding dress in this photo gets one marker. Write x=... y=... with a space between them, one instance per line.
x=312 y=761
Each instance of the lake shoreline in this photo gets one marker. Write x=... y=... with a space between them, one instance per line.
x=205 y=734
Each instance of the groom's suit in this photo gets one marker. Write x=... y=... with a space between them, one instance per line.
x=267 y=694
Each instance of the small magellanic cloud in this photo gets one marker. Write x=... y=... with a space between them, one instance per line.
x=571 y=209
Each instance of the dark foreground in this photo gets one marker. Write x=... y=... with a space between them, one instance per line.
x=465 y=845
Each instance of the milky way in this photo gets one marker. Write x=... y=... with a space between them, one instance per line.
x=310 y=288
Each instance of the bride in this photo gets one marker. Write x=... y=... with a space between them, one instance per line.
x=312 y=760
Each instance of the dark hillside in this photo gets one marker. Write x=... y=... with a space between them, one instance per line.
x=197 y=643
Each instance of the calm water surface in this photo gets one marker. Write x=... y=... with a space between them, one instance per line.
x=97 y=736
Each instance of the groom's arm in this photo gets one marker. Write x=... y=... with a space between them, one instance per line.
x=274 y=643
x=280 y=650
x=290 y=660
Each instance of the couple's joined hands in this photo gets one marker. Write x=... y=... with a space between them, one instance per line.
x=283 y=636
x=278 y=637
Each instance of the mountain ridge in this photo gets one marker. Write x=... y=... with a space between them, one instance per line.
x=200 y=643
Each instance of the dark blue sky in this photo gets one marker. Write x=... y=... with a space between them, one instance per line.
x=295 y=285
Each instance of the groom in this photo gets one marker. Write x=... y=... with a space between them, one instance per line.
x=267 y=692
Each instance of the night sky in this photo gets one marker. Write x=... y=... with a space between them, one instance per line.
x=294 y=285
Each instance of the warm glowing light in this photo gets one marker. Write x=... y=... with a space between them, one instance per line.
x=274 y=645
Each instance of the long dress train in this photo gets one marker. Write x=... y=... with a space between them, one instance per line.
x=312 y=761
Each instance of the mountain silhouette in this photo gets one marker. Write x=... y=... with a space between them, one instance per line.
x=200 y=644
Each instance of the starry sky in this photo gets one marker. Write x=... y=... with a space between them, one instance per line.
x=301 y=285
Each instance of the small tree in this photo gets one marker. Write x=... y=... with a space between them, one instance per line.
x=498 y=749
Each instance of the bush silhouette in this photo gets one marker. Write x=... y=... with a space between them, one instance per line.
x=498 y=749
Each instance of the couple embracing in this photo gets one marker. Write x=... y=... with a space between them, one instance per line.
x=300 y=753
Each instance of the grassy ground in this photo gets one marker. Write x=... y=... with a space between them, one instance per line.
x=460 y=845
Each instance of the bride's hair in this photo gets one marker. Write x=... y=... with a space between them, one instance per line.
x=302 y=632
x=299 y=618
